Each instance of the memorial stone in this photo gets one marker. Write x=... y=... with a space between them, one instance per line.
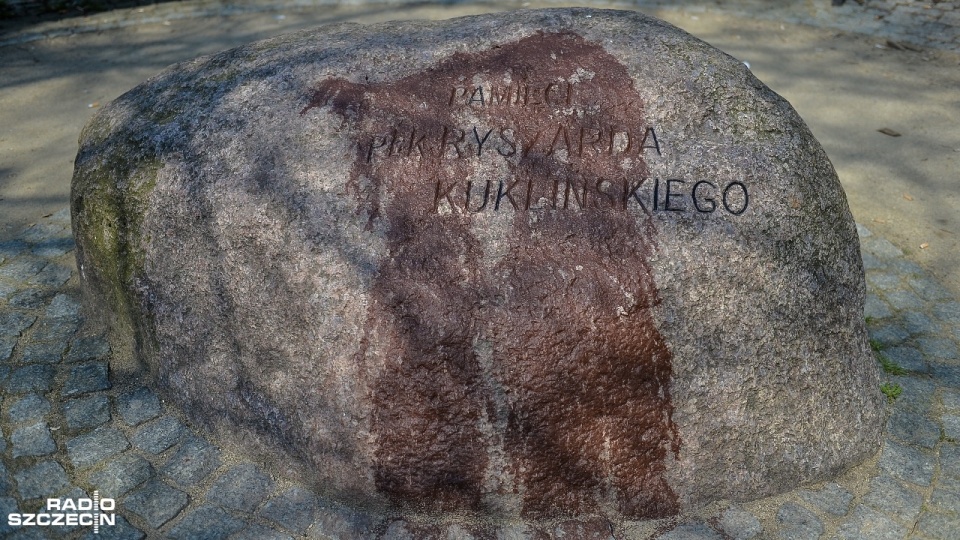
x=541 y=265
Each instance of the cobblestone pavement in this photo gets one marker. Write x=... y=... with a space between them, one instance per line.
x=905 y=23
x=71 y=426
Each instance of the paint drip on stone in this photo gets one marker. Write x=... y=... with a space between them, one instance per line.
x=525 y=371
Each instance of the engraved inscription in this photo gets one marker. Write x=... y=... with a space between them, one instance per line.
x=569 y=126
x=537 y=377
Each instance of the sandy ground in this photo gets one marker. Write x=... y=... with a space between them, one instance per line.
x=844 y=85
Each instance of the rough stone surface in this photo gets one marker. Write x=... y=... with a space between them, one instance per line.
x=158 y=435
x=893 y=498
x=832 y=499
x=33 y=440
x=868 y=524
x=156 y=502
x=92 y=447
x=798 y=523
x=548 y=263
x=42 y=480
x=243 y=488
x=293 y=509
x=906 y=463
x=740 y=524
x=86 y=378
x=206 y=522
x=192 y=463
x=31 y=407
x=87 y=412
x=138 y=406
x=121 y=475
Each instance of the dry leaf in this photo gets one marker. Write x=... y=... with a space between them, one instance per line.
x=878 y=220
x=907 y=196
x=924 y=245
x=888 y=131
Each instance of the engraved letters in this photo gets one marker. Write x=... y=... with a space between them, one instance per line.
x=521 y=145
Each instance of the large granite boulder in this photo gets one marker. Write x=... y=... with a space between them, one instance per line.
x=528 y=265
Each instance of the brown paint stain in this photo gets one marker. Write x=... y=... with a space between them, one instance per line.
x=582 y=375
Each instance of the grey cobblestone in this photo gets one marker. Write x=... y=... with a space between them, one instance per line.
x=33 y=378
x=87 y=412
x=52 y=275
x=95 y=446
x=22 y=268
x=947 y=375
x=31 y=533
x=928 y=289
x=29 y=408
x=56 y=330
x=338 y=521
x=121 y=475
x=951 y=426
x=884 y=280
x=6 y=290
x=11 y=248
x=6 y=481
x=13 y=323
x=740 y=524
x=74 y=494
x=872 y=262
x=908 y=358
x=30 y=298
x=918 y=323
x=798 y=523
x=907 y=463
x=881 y=247
x=918 y=394
x=242 y=488
x=42 y=480
x=889 y=335
x=42 y=353
x=54 y=247
x=893 y=498
x=875 y=308
x=948 y=312
x=206 y=523
x=8 y=505
x=905 y=267
x=63 y=306
x=32 y=440
x=832 y=499
x=691 y=531
x=914 y=428
x=7 y=343
x=951 y=399
x=194 y=460
x=868 y=524
x=156 y=503
x=40 y=232
x=158 y=435
x=940 y=348
x=85 y=378
x=903 y=300
x=946 y=496
x=138 y=406
x=122 y=530
x=294 y=509
x=88 y=348
x=939 y=526
x=259 y=532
